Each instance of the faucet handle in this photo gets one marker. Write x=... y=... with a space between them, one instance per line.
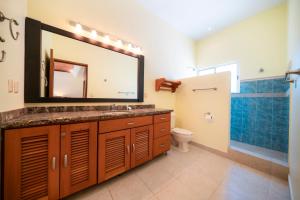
x=128 y=107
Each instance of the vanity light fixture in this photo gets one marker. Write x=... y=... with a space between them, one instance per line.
x=94 y=34
x=119 y=44
x=106 y=38
x=130 y=47
x=78 y=28
x=138 y=50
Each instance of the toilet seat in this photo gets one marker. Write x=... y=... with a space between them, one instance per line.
x=181 y=131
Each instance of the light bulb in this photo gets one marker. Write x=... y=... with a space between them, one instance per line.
x=129 y=48
x=94 y=34
x=119 y=44
x=106 y=39
x=138 y=50
x=78 y=28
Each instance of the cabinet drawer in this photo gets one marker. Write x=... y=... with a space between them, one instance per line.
x=162 y=118
x=120 y=124
x=162 y=129
x=161 y=145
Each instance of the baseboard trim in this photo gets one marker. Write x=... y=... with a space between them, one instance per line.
x=290 y=187
x=212 y=150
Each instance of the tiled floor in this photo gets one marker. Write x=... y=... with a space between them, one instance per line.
x=195 y=175
x=267 y=154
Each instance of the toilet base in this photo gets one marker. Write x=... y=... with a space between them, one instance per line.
x=183 y=146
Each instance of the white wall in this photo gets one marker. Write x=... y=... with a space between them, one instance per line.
x=257 y=42
x=13 y=67
x=167 y=52
x=294 y=138
x=191 y=107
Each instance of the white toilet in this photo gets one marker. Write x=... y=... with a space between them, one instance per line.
x=181 y=136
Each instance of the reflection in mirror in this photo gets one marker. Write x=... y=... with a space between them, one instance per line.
x=75 y=69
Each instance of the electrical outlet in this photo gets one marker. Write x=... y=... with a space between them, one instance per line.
x=16 y=87
x=10 y=86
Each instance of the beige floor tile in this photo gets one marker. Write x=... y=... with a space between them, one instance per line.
x=279 y=190
x=129 y=187
x=246 y=183
x=176 y=191
x=202 y=185
x=99 y=192
x=154 y=176
x=195 y=175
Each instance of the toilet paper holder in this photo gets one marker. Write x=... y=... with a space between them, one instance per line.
x=208 y=116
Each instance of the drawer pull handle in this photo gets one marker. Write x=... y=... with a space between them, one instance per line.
x=128 y=149
x=130 y=123
x=162 y=118
x=162 y=145
x=53 y=163
x=66 y=161
x=133 y=147
x=162 y=130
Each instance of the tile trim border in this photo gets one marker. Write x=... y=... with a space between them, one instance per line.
x=251 y=95
x=262 y=79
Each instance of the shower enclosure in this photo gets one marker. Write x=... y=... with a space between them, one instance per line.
x=260 y=117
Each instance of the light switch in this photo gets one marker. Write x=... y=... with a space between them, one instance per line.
x=10 y=86
x=16 y=87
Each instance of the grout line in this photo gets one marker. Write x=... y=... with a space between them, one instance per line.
x=109 y=191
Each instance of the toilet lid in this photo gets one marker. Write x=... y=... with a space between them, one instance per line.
x=182 y=131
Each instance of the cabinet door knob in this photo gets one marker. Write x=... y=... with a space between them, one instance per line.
x=53 y=163
x=133 y=147
x=65 y=160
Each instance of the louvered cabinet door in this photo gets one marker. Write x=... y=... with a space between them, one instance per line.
x=78 y=157
x=141 y=145
x=31 y=167
x=114 y=154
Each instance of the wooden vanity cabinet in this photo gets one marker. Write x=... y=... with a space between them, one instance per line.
x=53 y=162
x=162 y=134
x=78 y=157
x=118 y=151
x=113 y=154
x=49 y=162
x=141 y=145
x=31 y=163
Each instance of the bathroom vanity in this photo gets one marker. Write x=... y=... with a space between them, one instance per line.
x=53 y=155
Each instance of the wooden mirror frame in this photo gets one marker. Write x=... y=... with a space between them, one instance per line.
x=33 y=41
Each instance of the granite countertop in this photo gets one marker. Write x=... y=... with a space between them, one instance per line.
x=39 y=119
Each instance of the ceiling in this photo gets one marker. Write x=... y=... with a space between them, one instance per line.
x=199 y=18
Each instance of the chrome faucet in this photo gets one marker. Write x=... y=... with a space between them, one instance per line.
x=128 y=107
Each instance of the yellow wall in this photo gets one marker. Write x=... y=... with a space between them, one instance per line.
x=294 y=139
x=257 y=42
x=13 y=67
x=167 y=52
x=191 y=106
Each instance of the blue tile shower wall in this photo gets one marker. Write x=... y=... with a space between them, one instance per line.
x=260 y=114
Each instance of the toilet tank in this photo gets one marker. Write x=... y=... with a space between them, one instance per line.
x=173 y=120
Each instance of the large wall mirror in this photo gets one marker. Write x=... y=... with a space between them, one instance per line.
x=61 y=66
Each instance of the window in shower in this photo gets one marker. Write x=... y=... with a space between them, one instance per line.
x=231 y=67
